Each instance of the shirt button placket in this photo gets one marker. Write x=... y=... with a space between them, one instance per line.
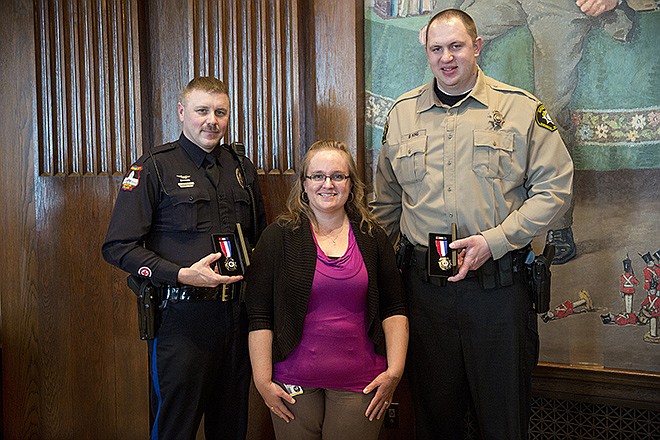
x=450 y=165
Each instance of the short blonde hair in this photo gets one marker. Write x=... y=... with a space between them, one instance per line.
x=207 y=84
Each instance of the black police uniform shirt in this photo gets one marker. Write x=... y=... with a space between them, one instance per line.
x=161 y=225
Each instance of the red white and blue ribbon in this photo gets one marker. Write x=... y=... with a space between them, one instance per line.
x=225 y=247
x=442 y=245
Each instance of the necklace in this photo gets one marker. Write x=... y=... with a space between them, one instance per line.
x=332 y=239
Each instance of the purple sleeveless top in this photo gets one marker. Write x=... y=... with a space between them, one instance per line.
x=334 y=351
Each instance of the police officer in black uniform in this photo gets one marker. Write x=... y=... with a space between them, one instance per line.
x=170 y=202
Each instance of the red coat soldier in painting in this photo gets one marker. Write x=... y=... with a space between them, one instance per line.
x=627 y=285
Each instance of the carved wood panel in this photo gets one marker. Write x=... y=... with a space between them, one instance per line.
x=88 y=86
x=253 y=47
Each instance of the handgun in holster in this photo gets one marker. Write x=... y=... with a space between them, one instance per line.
x=147 y=305
x=539 y=276
x=404 y=253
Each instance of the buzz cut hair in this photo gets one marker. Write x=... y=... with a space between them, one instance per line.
x=464 y=17
x=208 y=84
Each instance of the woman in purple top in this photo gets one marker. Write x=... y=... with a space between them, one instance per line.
x=328 y=325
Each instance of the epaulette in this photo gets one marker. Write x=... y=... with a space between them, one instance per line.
x=164 y=147
x=146 y=155
x=504 y=87
x=412 y=94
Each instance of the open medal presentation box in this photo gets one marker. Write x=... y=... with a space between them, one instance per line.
x=235 y=259
x=442 y=260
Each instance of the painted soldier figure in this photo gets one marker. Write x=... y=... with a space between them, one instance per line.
x=650 y=313
x=627 y=285
x=651 y=271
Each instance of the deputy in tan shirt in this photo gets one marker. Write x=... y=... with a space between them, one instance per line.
x=494 y=165
x=469 y=150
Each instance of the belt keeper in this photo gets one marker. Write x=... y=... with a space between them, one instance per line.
x=227 y=293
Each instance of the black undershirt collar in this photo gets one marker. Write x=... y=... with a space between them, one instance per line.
x=449 y=100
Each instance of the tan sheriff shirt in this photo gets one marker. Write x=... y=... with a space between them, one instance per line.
x=494 y=164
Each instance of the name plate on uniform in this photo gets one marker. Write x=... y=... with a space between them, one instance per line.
x=442 y=260
x=234 y=259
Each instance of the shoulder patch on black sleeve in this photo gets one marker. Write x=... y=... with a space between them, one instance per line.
x=543 y=118
x=132 y=178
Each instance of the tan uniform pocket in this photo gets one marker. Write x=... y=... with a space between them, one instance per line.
x=492 y=153
x=409 y=164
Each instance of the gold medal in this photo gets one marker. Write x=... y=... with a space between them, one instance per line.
x=444 y=263
x=230 y=264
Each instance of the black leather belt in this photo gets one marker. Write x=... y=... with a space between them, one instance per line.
x=490 y=274
x=224 y=293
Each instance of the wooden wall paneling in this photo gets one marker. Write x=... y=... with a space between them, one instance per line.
x=89 y=85
x=91 y=361
x=253 y=47
x=19 y=334
x=166 y=68
x=231 y=64
x=267 y=152
x=53 y=305
x=283 y=121
x=72 y=335
x=632 y=389
x=66 y=326
x=338 y=31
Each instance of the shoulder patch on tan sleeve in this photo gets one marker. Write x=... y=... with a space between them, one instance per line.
x=543 y=118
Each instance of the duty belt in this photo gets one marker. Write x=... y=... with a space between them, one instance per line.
x=491 y=274
x=224 y=293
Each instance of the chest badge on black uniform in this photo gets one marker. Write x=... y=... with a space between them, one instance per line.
x=544 y=119
x=239 y=177
x=184 y=181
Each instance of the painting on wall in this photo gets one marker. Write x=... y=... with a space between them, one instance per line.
x=599 y=78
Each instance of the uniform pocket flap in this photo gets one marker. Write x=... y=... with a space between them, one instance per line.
x=411 y=147
x=189 y=195
x=498 y=140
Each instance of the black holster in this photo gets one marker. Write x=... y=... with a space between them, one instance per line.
x=538 y=278
x=404 y=253
x=147 y=305
x=502 y=272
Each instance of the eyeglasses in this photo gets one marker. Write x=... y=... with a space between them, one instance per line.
x=337 y=177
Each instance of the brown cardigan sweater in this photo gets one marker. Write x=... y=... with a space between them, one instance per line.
x=279 y=282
